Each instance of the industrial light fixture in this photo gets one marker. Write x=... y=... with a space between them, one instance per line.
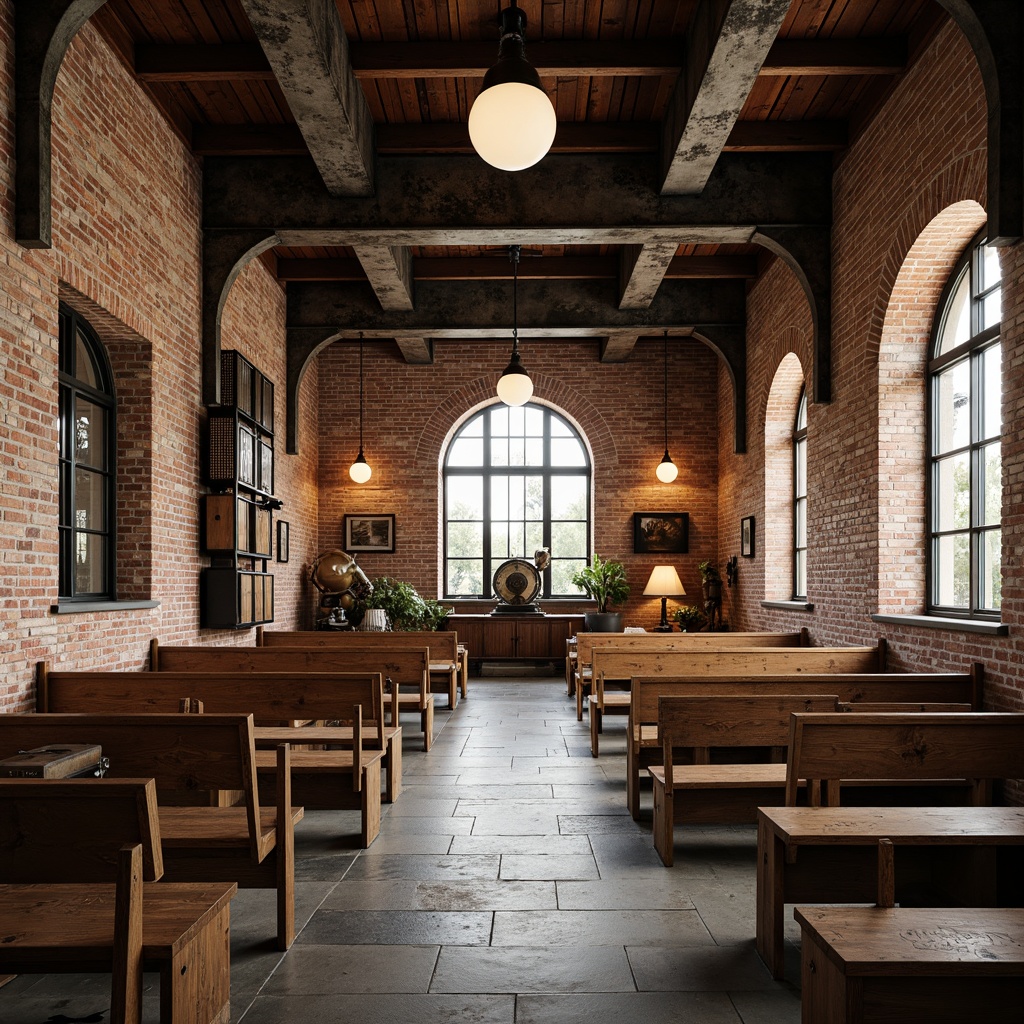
x=664 y=583
x=514 y=385
x=667 y=470
x=512 y=122
x=360 y=469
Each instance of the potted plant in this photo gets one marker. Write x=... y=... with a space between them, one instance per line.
x=605 y=582
x=402 y=605
x=689 y=617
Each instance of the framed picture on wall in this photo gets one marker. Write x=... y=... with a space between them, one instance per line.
x=369 y=533
x=283 y=531
x=747 y=536
x=661 y=532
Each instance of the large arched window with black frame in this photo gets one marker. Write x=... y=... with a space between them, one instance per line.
x=800 y=499
x=515 y=480
x=87 y=463
x=965 y=419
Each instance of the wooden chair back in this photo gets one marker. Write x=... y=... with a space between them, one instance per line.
x=700 y=723
x=184 y=754
x=72 y=830
x=837 y=747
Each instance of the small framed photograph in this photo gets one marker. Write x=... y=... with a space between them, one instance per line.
x=747 y=536
x=661 y=532
x=282 y=540
x=369 y=533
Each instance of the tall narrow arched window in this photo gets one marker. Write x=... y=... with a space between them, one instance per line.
x=800 y=499
x=515 y=480
x=87 y=472
x=965 y=479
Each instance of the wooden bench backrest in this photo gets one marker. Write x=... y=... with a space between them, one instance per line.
x=833 y=747
x=443 y=644
x=286 y=661
x=616 y=663
x=407 y=666
x=70 y=830
x=586 y=643
x=881 y=707
x=948 y=687
x=180 y=752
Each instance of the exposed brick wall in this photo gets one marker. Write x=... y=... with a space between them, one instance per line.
x=411 y=413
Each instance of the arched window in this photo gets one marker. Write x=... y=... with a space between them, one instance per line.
x=515 y=480
x=800 y=499
x=87 y=440
x=965 y=429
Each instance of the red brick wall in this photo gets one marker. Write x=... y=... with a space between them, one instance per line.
x=411 y=412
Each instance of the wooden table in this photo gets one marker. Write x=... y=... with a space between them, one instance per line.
x=829 y=855
x=914 y=966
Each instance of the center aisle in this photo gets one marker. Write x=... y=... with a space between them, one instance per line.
x=509 y=885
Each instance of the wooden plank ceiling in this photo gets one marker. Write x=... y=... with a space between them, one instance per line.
x=609 y=67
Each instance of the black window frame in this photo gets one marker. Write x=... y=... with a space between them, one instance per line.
x=799 y=440
x=973 y=349
x=71 y=327
x=490 y=562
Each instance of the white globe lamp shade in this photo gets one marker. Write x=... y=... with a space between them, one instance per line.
x=360 y=470
x=515 y=387
x=512 y=125
x=667 y=470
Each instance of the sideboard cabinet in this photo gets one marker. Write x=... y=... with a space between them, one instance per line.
x=509 y=637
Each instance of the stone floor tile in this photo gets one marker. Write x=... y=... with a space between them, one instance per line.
x=546 y=969
x=716 y=969
x=543 y=866
x=510 y=818
x=382 y=1009
x=405 y=894
x=394 y=927
x=393 y=865
x=620 y=1008
x=597 y=824
x=411 y=804
x=551 y=846
x=623 y=893
x=396 y=842
x=600 y=928
x=493 y=792
x=427 y=825
x=326 y=969
x=781 y=1007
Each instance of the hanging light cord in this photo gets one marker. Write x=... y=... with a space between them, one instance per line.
x=665 y=375
x=360 y=395
x=513 y=255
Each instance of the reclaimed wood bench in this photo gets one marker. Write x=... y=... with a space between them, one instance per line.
x=587 y=643
x=956 y=690
x=446 y=674
x=921 y=965
x=624 y=664
x=73 y=898
x=409 y=668
x=165 y=658
x=191 y=757
x=705 y=793
x=345 y=777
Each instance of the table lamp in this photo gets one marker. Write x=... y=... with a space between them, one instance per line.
x=664 y=583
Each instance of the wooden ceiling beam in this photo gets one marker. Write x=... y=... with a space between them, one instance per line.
x=558 y=58
x=787 y=137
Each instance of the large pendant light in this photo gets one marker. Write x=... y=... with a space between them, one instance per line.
x=667 y=470
x=360 y=469
x=514 y=385
x=512 y=122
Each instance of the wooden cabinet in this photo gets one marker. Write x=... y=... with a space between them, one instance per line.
x=236 y=591
x=514 y=637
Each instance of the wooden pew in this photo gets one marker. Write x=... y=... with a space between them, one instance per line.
x=621 y=663
x=922 y=964
x=73 y=898
x=839 y=748
x=587 y=643
x=190 y=755
x=164 y=658
x=953 y=689
x=707 y=793
x=323 y=779
x=399 y=666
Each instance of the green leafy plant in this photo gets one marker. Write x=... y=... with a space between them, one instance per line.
x=688 y=615
x=605 y=582
x=435 y=615
x=402 y=605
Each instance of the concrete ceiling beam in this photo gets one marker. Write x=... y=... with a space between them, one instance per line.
x=388 y=268
x=642 y=268
x=307 y=49
x=416 y=351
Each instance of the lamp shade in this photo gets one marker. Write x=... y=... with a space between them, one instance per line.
x=512 y=125
x=514 y=385
x=667 y=470
x=360 y=470
x=664 y=582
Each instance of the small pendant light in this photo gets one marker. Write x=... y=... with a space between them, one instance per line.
x=667 y=470
x=360 y=469
x=514 y=385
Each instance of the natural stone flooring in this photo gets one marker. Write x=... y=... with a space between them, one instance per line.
x=508 y=886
